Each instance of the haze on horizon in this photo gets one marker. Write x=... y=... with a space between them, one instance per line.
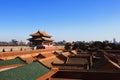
x=70 y=20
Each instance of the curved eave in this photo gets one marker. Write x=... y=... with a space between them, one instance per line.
x=47 y=39
x=35 y=35
x=30 y=39
x=40 y=33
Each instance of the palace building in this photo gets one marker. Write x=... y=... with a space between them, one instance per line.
x=40 y=39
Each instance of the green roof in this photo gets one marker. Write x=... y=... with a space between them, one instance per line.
x=12 y=61
x=27 y=72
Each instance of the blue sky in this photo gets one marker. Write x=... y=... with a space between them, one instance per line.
x=70 y=20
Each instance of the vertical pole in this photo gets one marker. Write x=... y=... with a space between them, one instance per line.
x=91 y=62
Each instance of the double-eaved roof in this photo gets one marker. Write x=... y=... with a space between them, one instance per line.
x=40 y=36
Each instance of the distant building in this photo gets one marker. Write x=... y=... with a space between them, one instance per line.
x=114 y=41
x=40 y=39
